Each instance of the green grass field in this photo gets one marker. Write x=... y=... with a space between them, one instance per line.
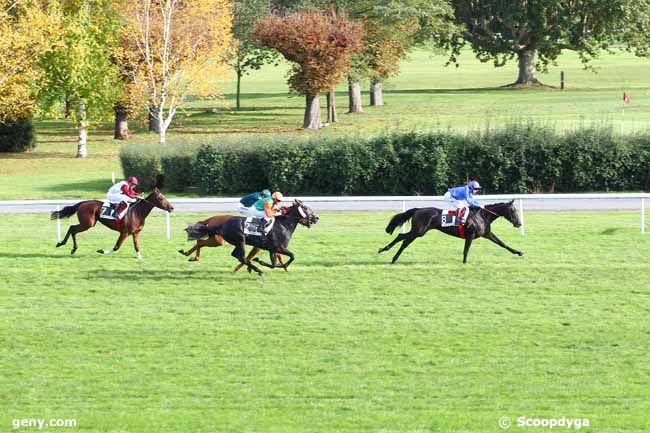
x=344 y=342
x=426 y=95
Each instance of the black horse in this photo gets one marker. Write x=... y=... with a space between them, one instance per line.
x=277 y=241
x=477 y=225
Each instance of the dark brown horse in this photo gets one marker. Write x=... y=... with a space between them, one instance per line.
x=217 y=241
x=132 y=224
x=478 y=225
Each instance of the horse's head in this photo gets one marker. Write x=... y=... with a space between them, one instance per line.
x=307 y=216
x=509 y=212
x=157 y=199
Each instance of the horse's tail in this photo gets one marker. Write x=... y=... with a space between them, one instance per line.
x=399 y=219
x=199 y=231
x=66 y=212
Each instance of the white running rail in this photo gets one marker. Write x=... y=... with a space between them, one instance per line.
x=602 y=201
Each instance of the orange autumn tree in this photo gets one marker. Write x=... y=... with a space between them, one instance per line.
x=320 y=44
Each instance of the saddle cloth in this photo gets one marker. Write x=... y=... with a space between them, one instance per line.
x=109 y=210
x=257 y=226
x=454 y=217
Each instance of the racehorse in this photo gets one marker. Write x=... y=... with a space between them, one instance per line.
x=477 y=225
x=88 y=214
x=217 y=241
x=276 y=242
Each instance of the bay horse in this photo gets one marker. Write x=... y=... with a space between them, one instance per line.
x=276 y=242
x=131 y=225
x=217 y=241
x=477 y=225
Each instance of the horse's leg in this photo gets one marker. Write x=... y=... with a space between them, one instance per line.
x=282 y=262
x=250 y=256
x=118 y=244
x=273 y=255
x=468 y=244
x=399 y=237
x=491 y=236
x=190 y=251
x=406 y=243
x=240 y=254
x=136 y=245
x=67 y=235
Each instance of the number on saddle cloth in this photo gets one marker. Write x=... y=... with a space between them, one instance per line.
x=109 y=210
x=257 y=226
x=454 y=217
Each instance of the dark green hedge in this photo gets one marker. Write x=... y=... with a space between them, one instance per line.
x=17 y=136
x=517 y=158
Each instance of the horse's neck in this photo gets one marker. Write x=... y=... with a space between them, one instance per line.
x=143 y=208
x=493 y=213
x=290 y=221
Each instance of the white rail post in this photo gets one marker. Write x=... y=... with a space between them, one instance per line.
x=58 y=225
x=403 y=210
x=168 y=223
x=643 y=215
x=521 y=213
x=113 y=177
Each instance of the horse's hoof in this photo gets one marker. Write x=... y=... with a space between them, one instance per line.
x=192 y=259
x=380 y=250
x=261 y=274
x=182 y=252
x=59 y=244
x=520 y=254
x=74 y=250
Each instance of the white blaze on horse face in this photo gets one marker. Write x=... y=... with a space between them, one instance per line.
x=302 y=212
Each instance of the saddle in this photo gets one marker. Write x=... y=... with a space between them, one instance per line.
x=258 y=226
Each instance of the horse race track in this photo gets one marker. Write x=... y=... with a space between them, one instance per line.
x=344 y=342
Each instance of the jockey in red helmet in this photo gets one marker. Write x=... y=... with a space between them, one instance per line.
x=123 y=193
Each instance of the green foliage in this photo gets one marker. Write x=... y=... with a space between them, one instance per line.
x=17 y=136
x=80 y=67
x=516 y=158
x=142 y=161
x=500 y=31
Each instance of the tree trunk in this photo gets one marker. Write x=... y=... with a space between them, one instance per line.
x=154 y=120
x=121 y=123
x=527 y=69
x=82 y=149
x=331 y=107
x=312 y=112
x=376 y=94
x=354 y=94
x=238 y=89
x=68 y=108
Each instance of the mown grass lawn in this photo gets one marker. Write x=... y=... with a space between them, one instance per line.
x=425 y=95
x=344 y=342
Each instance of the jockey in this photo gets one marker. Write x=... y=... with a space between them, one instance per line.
x=123 y=193
x=266 y=208
x=463 y=196
x=246 y=203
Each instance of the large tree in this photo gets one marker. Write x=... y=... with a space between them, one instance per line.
x=183 y=45
x=320 y=45
x=534 y=32
x=248 y=55
x=28 y=30
x=79 y=70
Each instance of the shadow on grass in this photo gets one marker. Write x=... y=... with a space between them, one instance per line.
x=54 y=255
x=610 y=231
x=96 y=186
x=506 y=88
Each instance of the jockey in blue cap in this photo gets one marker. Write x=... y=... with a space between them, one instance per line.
x=463 y=196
